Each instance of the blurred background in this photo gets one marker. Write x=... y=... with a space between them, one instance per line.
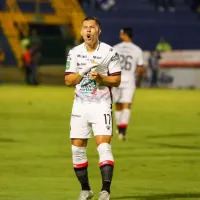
x=160 y=159
x=168 y=30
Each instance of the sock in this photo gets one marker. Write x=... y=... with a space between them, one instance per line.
x=80 y=164
x=125 y=116
x=106 y=163
x=106 y=173
x=82 y=175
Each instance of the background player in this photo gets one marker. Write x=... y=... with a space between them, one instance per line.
x=92 y=109
x=130 y=58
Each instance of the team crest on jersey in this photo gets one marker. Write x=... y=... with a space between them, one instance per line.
x=108 y=127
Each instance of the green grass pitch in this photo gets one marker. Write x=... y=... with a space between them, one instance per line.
x=159 y=160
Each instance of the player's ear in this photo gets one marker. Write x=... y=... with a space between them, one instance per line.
x=99 y=31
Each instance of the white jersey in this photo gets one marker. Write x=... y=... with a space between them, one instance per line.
x=130 y=57
x=108 y=64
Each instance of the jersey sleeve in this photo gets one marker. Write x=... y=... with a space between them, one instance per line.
x=140 y=60
x=114 y=65
x=71 y=66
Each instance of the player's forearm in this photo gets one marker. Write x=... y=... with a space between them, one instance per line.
x=112 y=81
x=73 y=79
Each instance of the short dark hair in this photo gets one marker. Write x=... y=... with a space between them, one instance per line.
x=93 y=18
x=128 y=31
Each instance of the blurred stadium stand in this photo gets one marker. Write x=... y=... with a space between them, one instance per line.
x=58 y=25
x=18 y=16
x=31 y=7
x=7 y=49
x=181 y=28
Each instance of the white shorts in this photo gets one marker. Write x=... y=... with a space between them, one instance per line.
x=123 y=95
x=88 y=117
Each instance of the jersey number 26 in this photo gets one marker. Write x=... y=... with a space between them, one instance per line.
x=126 y=62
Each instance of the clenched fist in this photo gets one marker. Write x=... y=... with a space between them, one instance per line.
x=95 y=76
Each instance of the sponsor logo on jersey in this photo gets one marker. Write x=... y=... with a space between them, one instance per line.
x=81 y=64
x=97 y=57
x=88 y=86
x=68 y=64
x=73 y=115
x=81 y=56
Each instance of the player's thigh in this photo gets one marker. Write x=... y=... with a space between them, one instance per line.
x=102 y=121
x=127 y=95
x=79 y=126
x=116 y=92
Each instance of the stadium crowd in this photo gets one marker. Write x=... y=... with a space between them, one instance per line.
x=160 y=5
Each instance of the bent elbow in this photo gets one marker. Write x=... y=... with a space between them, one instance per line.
x=117 y=84
x=68 y=82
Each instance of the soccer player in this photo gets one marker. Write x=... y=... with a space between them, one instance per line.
x=130 y=59
x=93 y=67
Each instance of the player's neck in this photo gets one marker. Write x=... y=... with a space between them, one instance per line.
x=91 y=48
x=127 y=40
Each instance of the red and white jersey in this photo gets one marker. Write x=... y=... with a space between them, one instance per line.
x=108 y=64
x=130 y=57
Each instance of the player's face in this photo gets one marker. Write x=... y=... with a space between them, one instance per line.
x=90 y=32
